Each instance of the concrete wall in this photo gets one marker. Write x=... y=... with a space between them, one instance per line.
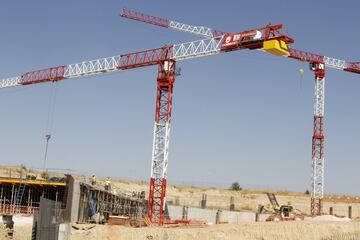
x=73 y=200
x=209 y=215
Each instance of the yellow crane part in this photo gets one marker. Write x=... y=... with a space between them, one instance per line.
x=276 y=47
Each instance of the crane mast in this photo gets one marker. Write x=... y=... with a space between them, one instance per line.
x=160 y=152
x=317 y=179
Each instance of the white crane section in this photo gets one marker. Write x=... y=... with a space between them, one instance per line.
x=81 y=69
x=200 y=48
x=10 y=82
x=92 y=67
x=319 y=97
x=197 y=30
x=334 y=63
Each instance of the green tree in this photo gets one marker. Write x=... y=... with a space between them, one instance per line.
x=21 y=170
x=22 y=167
x=45 y=175
x=235 y=186
x=307 y=192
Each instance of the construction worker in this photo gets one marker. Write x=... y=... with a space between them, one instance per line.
x=93 y=180
x=108 y=184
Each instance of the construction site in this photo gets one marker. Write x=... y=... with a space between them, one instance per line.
x=44 y=204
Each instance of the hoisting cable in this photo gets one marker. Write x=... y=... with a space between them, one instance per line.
x=301 y=71
x=50 y=120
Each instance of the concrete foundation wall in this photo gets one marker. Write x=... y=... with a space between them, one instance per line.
x=209 y=215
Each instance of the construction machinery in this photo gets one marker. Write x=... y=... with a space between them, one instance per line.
x=279 y=212
x=270 y=39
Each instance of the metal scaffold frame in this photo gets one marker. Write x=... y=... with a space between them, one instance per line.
x=96 y=203
x=22 y=196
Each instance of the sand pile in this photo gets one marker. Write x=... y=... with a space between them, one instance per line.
x=328 y=218
x=296 y=230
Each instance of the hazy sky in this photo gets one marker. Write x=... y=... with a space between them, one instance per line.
x=242 y=116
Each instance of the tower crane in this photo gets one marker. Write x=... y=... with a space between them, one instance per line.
x=165 y=57
x=269 y=38
x=318 y=63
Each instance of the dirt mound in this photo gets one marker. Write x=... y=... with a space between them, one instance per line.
x=298 y=230
x=329 y=218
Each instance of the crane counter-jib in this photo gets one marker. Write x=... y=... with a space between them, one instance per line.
x=328 y=61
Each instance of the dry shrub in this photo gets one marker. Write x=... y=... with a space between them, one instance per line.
x=344 y=236
x=246 y=207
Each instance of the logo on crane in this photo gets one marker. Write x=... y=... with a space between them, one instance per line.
x=233 y=40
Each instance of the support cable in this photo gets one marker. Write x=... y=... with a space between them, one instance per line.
x=50 y=120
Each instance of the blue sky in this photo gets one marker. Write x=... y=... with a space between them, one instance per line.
x=241 y=116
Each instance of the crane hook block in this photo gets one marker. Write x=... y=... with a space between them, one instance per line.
x=276 y=47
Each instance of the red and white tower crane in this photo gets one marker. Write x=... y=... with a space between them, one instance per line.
x=269 y=39
x=318 y=63
x=166 y=58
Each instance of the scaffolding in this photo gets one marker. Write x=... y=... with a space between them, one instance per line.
x=22 y=196
x=97 y=204
x=86 y=203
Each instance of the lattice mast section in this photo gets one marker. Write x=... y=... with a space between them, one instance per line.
x=317 y=180
x=165 y=84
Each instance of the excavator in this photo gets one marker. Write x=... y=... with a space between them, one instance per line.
x=279 y=213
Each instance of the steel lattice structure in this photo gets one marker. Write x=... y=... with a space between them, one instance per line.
x=160 y=153
x=317 y=179
x=269 y=39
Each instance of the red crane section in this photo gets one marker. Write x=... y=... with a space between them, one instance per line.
x=142 y=17
x=145 y=58
x=353 y=67
x=44 y=75
x=255 y=38
x=162 y=22
x=305 y=56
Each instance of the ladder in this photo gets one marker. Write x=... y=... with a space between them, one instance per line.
x=273 y=200
x=91 y=202
x=20 y=193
